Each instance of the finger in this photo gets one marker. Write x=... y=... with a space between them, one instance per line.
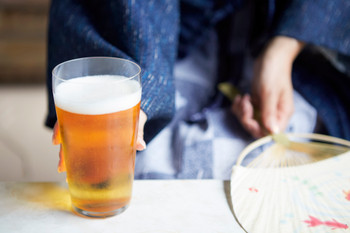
x=247 y=106
x=242 y=106
x=268 y=103
x=140 y=142
x=285 y=110
x=252 y=127
x=56 y=140
x=61 y=164
x=235 y=107
x=56 y=137
x=247 y=117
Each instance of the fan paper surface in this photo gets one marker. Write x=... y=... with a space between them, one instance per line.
x=313 y=197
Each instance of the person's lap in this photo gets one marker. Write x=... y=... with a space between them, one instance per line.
x=208 y=146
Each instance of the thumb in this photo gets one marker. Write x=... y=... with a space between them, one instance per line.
x=269 y=113
x=140 y=143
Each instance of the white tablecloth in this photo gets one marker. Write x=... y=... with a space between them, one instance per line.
x=157 y=206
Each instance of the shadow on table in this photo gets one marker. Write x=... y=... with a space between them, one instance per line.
x=227 y=189
x=47 y=195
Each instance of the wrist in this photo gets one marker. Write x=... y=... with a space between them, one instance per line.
x=284 y=48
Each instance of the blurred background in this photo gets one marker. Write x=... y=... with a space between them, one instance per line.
x=26 y=151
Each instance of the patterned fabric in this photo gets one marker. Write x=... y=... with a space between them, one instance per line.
x=324 y=23
x=155 y=33
x=207 y=146
x=143 y=31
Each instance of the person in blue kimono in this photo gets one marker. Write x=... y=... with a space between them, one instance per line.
x=292 y=51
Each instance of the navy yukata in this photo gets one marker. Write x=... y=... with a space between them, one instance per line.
x=158 y=34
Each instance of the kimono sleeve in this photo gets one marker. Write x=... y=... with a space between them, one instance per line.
x=142 y=31
x=324 y=23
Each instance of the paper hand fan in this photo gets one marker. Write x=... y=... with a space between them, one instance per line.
x=298 y=183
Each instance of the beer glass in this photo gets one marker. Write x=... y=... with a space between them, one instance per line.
x=97 y=102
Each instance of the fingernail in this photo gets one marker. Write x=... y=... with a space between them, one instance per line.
x=275 y=129
x=141 y=144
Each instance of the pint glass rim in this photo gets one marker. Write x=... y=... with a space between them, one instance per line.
x=54 y=70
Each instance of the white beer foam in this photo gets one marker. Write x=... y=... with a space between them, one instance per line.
x=98 y=94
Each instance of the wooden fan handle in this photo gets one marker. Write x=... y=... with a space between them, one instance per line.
x=267 y=139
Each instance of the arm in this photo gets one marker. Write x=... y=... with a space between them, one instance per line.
x=272 y=90
x=323 y=24
x=136 y=30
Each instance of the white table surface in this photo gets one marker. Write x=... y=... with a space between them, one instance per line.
x=166 y=206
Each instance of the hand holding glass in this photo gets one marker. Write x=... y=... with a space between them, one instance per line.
x=97 y=103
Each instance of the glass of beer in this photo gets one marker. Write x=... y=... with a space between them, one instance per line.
x=97 y=102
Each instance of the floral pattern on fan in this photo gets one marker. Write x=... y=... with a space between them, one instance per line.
x=347 y=195
x=334 y=224
x=313 y=197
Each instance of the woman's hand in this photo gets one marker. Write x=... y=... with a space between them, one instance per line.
x=270 y=105
x=56 y=140
x=140 y=143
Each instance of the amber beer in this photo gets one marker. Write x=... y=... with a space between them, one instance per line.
x=98 y=120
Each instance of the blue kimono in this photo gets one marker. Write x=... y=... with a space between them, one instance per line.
x=159 y=34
